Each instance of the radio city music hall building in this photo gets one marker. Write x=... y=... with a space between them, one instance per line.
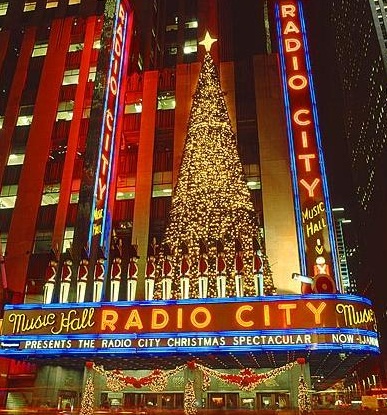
x=166 y=228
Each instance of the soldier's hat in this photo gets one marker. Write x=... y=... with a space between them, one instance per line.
x=238 y=245
x=167 y=249
x=184 y=248
x=152 y=248
x=116 y=249
x=256 y=244
x=68 y=256
x=133 y=251
x=202 y=247
x=101 y=253
x=219 y=246
x=53 y=255
x=84 y=254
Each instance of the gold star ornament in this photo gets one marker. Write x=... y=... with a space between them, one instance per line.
x=207 y=41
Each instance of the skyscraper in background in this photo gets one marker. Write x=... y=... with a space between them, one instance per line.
x=360 y=40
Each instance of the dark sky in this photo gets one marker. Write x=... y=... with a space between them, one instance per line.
x=329 y=101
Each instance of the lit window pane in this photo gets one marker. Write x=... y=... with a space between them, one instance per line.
x=15 y=159
x=3 y=9
x=50 y=4
x=166 y=102
x=29 y=6
x=40 y=49
x=71 y=77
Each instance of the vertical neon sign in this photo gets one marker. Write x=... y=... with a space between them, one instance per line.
x=315 y=227
x=101 y=218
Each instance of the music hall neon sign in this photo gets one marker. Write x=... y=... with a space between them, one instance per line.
x=314 y=322
x=313 y=213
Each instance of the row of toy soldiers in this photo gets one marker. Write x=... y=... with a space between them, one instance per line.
x=82 y=278
x=167 y=271
x=203 y=271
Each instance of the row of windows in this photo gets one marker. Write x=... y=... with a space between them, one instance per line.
x=30 y=6
x=40 y=49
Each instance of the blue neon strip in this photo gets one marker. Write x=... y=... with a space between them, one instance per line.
x=275 y=298
x=300 y=232
x=331 y=227
x=197 y=349
x=211 y=334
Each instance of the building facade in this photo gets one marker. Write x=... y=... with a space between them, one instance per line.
x=103 y=100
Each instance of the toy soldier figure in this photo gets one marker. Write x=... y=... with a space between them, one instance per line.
x=99 y=276
x=51 y=273
x=132 y=273
x=82 y=276
x=115 y=271
x=150 y=271
x=185 y=266
x=65 y=278
x=257 y=268
x=167 y=272
x=220 y=269
x=203 y=270
x=239 y=268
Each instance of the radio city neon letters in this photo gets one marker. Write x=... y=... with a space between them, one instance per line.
x=307 y=169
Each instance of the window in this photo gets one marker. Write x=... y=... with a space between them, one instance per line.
x=51 y=3
x=68 y=239
x=74 y=2
x=166 y=102
x=190 y=46
x=71 y=77
x=25 y=115
x=50 y=194
x=193 y=24
x=3 y=9
x=65 y=111
x=92 y=73
x=75 y=47
x=1 y=121
x=8 y=196
x=43 y=242
x=15 y=159
x=29 y=6
x=133 y=108
x=97 y=44
x=40 y=49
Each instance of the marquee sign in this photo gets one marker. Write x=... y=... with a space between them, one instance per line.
x=288 y=322
x=313 y=212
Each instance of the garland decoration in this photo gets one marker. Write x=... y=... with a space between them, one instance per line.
x=157 y=380
x=247 y=380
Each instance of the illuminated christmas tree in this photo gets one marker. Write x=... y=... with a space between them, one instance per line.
x=211 y=202
x=87 y=404
x=304 y=403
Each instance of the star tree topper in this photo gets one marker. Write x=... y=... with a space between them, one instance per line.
x=207 y=41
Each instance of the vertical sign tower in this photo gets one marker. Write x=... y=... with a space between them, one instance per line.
x=96 y=199
x=315 y=225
